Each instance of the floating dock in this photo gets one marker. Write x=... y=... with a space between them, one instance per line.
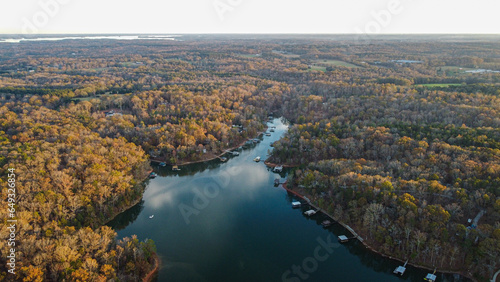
x=343 y=239
x=310 y=212
x=323 y=211
x=400 y=269
x=430 y=276
x=326 y=223
x=278 y=169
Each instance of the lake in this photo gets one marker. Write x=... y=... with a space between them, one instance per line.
x=226 y=221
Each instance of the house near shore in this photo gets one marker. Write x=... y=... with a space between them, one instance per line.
x=112 y=113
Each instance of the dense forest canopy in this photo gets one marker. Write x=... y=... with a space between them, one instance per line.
x=398 y=137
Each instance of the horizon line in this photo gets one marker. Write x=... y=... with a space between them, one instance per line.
x=243 y=33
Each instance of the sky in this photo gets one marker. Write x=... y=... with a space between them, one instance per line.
x=248 y=16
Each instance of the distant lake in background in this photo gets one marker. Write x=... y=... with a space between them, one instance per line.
x=226 y=221
x=28 y=38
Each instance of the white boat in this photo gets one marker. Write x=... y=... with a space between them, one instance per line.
x=296 y=204
x=151 y=216
x=257 y=159
x=278 y=169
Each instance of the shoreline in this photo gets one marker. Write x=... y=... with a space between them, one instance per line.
x=212 y=157
x=270 y=164
x=149 y=277
x=134 y=202
x=365 y=244
x=157 y=261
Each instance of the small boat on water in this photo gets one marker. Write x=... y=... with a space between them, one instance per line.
x=163 y=164
x=175 y=168
x=236 y=153
x=268 y=134
x=278 y=169
x=272 y=130
x=153 y=175
x=296 y=204
x=257 y=159
x=151 y=216
x=276 y=182
x=223 y=159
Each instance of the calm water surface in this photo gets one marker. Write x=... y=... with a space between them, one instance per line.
x=220 y=221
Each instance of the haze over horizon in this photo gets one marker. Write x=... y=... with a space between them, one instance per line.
x=256 y=17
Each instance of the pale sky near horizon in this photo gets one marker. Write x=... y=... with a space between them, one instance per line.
x=249 y=16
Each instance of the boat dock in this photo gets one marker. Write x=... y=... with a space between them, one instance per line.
x=326 y=223
x=400 y=269
x=343 y=239
x=355 y=235
x=310 y=212
x=318 y=209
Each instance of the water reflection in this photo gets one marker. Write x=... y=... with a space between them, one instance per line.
x=225 y=221
x=124 y=219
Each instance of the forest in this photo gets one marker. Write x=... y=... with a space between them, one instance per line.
x=404 y=152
